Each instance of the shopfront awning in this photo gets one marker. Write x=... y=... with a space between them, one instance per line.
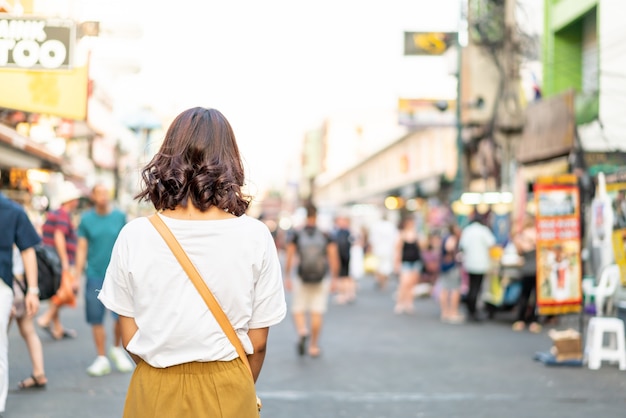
x=21 y=152
x=547 y=168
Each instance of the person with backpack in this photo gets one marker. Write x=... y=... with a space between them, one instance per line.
x=317 y=257
x=18 y=230
x=59 y=233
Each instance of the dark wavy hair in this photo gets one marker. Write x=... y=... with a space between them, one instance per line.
x=198 y=161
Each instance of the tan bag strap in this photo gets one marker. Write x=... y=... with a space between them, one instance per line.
x=200 y=284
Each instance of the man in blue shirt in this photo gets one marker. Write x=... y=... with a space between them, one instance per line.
x=97 y=233
x=16 y=230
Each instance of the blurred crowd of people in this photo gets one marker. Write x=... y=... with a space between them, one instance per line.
x=448 y=263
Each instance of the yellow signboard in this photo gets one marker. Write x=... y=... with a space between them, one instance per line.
x=617 y=192
x=60 y=93
x=428 y=43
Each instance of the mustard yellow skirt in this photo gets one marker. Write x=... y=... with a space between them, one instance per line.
x=221 y=389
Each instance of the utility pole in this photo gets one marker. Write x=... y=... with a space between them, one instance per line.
x=510 y=115
x=459 y=179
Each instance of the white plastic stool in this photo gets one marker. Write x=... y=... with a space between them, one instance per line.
x=596 y=351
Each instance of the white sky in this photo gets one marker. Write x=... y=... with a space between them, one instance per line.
x=276 y=68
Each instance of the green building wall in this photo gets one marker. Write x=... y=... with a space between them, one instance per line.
x=562 y=52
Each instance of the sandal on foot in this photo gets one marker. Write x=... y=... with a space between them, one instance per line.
x=314 y=352
x=519 y=326
x=455 y=319
x=32 y=382
x=535 y=328
x=67 y=333
x=302 y=344
x=48 y=330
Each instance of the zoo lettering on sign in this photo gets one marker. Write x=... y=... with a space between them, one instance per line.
x=34 y=43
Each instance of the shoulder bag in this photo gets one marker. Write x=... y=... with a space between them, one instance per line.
x=203 y=289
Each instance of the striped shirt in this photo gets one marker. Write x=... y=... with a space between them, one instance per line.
x=60 y=220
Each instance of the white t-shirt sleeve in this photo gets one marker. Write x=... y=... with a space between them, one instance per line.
x=268 y=306
x=490 y=238
x=462 y=240
x=117 y=293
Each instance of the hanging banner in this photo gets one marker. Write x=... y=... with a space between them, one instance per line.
x=559 y=270
x=616 y=190
x=619 y=247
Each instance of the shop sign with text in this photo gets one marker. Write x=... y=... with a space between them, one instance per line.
x=36 y=43
x=559 y=271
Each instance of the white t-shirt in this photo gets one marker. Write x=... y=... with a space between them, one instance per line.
x=236 y=257
x=476 y=240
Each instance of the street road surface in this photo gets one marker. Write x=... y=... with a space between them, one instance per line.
x=374 y=365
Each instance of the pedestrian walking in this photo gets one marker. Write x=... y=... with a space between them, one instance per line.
x=383 y=236
x=450 y=276
x=59 y=233
x=357 y=256
x=26 y=326
x=97 y=232
x=408 y=265
x=346 y=285
x=186 y=365
x=525 y=241
x=475 y=242
x=19 y=231
x=317 y=257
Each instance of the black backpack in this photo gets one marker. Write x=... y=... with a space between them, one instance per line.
x=312 y=253
x=49 y=271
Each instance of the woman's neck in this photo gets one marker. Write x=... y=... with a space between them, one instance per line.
x=190 y=212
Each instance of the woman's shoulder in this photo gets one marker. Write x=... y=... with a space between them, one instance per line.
x=253 y=225
x=136 y=225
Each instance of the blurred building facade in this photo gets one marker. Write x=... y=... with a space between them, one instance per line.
x=577 y=126
x=61 y=123
x=583 y=41
x=474 y=129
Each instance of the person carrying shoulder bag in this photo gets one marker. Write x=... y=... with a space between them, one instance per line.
x=188 y=362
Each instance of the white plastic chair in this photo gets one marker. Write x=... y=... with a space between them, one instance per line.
x=603 y=324
x=595 y=349
x=605 y=291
